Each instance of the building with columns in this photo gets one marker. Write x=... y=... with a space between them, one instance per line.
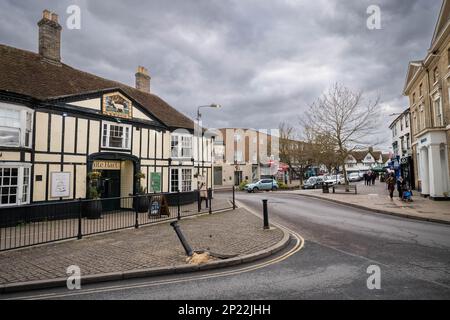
x=428 y=88
x=59 y=124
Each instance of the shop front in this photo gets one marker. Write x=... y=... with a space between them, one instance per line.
x=407 y=171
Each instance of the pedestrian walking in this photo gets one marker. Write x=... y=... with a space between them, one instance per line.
x=400 y=187
x=203 y=194
x=374 y=177
x=390 y=181
x=366 y=178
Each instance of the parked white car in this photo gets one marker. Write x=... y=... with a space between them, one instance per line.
x=333 y=179
x=354 y=177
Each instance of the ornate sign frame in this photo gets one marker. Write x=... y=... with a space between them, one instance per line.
x=117 y=105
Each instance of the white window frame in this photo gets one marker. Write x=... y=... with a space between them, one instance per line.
x=437 y=116
x=184 y=142
x=181 y=175
x=238 y=156
x=126 y=144
x=20 y=184
x=25 y=125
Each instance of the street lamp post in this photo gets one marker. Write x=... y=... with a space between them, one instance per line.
x=199 y=116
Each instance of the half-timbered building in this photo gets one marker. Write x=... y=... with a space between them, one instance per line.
x=58 y=124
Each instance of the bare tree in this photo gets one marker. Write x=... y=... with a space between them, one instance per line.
x=345 y=119
x=324 y=151
x=296 y=154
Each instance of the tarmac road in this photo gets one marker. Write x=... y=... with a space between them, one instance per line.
x=340 y=244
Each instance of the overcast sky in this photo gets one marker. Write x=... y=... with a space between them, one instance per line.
x=264 y=61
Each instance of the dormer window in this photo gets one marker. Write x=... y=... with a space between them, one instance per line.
x=181 y=146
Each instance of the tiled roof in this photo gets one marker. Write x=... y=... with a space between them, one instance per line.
x=26 y=73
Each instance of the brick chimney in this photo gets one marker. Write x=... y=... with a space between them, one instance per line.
x=142 y=79
x=50 y=37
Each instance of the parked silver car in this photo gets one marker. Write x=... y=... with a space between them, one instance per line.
x=263 y=184
x=354 y=177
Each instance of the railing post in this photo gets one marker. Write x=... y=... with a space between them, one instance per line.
x=178 y=206
x=199 y=201
x=80 y=234
x=234 y=198
x=136 y=222
x=210 y=200
x=265 y=215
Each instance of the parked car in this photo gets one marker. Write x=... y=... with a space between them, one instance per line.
x=263 y=184
x=354 y=177
x=313 y=183
x=332 y=180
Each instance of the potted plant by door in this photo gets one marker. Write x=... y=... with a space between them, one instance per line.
x=94 y=206
x=142 y=202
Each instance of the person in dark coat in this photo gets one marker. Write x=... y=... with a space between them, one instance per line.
x=374 y=177
x=366 y=178
x=390 y=181
x=400 y=187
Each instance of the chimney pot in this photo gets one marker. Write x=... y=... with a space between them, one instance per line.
x=54 y=17
x=46 y=14
x=142 y=79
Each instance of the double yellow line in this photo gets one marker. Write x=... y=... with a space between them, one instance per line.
x=297 y=247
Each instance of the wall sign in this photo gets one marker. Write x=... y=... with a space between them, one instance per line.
x=60 y=184
x=116 y=105
x=106 y=165
x=155 y=184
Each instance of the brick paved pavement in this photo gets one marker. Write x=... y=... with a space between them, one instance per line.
x=377 y=198
x=232 y=233
x=46 y=231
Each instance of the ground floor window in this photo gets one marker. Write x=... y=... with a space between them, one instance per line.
x=180 y=179
x=14 y=185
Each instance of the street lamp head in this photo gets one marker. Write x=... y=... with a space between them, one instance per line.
x=217 y=106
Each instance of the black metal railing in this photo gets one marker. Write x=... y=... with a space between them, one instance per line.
x=40 y=223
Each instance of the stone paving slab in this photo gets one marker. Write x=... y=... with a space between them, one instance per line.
x=233 y=233
x=377 y=198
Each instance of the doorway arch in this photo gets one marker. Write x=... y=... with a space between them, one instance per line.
x=116 y=156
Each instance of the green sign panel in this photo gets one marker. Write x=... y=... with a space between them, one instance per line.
x=155 y=179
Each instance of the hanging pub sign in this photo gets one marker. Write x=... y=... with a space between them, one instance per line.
x=116 y=105
x=106 y=165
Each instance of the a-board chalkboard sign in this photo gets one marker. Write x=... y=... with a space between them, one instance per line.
x=158 y=206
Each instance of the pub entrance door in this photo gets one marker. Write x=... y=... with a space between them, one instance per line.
x=110 y=184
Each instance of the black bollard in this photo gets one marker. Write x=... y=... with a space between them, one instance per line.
x=265 y=215
x=183 y=241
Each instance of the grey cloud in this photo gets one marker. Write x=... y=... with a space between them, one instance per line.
x=264 y=61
